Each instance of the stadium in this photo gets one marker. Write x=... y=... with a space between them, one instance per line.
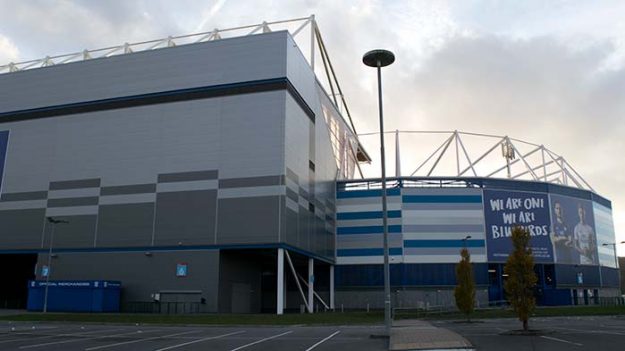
x=221 y=172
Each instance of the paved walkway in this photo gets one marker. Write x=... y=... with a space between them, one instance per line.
x=421 y=335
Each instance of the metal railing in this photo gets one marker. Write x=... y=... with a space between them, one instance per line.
x=170 y=41
x=162 y=307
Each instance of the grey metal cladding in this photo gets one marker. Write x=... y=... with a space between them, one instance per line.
x=78 y=232
x=292 y=175
x=185 y=217
x=187 y=176
x=128 y=189
x=251 y=181
x=73 y=201
x=21 y=228
x=125 y=225
x=239 y=59
x=150 y=99
x=248 y=220
x=292 y=195
x=143 y=275
x=291 y=235
x=303 y=193
x=75 y=184
x=24 y=196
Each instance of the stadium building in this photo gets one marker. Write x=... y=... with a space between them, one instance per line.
x=217 y=171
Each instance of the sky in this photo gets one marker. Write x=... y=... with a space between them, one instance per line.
x=549 y=72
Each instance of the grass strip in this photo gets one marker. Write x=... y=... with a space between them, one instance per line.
x=328 y=318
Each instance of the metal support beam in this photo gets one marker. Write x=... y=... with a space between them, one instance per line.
x=332 y=287
x=314 y=293
x=280 y=286
x=457 y=153
x=397 y=158
x=431 y=155
x=299 y=286
x=483 y=155
x=311 y=284
x=466 y=154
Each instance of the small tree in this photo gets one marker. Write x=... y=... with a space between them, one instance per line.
x=465 y=288
x=521 y=280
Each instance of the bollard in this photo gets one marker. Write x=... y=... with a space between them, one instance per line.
x=367 y=308
x=342 y=308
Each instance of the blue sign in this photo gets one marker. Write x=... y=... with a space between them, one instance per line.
x=580 y=278
x=4 y=143
x=76 y=283
x=181 y=270
x=504 y=210
x=45 y=271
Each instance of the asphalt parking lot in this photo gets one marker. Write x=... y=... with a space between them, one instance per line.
x=91 y=337
x=560 y=333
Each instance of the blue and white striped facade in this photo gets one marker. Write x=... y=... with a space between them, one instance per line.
x=428 y=221
x=425 y=225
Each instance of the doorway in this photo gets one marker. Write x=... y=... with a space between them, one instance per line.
x=16 y=270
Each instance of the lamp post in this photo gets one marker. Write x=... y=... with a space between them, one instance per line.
x=613 y=248
x=379 y=59
x=464 y=241
x=54 y=222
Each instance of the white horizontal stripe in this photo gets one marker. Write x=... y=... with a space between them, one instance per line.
x=23 y=205
x=441 y=258
x=443 y=214
x=127 y=199
x=443 y=221
x=367 y=222
x=367 y=200
x=365 y=208
x=84 y=192
x=271 y=190
x=443 y=236
x=72 y=211
x=187 y=186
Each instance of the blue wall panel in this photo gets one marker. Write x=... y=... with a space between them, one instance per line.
x=371 y=275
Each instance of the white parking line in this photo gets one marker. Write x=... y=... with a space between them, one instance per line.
x=560 y=340
x=140 y=340
x=261 y=340
x=56 y=336
x=84 y=339
x=591 y=331
x=322 y=341
x=200 y=340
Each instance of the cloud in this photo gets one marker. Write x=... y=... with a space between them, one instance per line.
x=549 y=73
x=8 y=51
x=540 y=90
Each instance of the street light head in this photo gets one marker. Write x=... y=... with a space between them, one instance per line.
x=623 y=242
x=467 y=237
x=378 y=58
x=56 y=221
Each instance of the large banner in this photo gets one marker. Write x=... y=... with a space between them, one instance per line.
x=573 y=231
x=4 y=143
x=504 y=210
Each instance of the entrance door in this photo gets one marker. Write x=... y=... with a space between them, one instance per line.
x=16 y=270
x=241 y=298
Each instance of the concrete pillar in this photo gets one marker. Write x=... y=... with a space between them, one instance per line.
x=280 y=288
x=311 y=283
x=332 y=287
